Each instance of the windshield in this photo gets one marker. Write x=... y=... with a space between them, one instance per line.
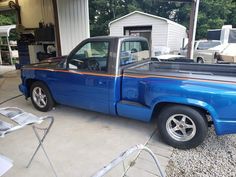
x=208 y=45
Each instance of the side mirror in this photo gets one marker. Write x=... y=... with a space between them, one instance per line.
x=62 y=64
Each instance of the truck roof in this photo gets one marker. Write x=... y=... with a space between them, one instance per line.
x=118 y=37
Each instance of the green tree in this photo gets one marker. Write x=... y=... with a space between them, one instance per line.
x=232 y=15
x=7 y=17
x=5 y=20
x=212 y=13
x=103 y=11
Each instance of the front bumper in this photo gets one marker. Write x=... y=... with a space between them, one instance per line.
x=225 y=127
x=24 y=90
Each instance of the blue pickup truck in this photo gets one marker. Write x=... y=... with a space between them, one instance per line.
x=115 y=75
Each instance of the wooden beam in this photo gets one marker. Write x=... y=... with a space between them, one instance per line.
x=56 y=27
x=18 y=11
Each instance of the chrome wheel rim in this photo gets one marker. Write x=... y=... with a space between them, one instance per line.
x=181 y=127
x=200 y=61
x=39 y=97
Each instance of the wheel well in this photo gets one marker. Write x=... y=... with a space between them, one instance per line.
x=29 y=83
x=160 y=106
x=199 y=58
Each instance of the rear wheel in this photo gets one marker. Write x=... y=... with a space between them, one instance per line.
x=41 y=97
x=182 y=127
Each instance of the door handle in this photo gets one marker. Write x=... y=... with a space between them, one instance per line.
x=102 y=83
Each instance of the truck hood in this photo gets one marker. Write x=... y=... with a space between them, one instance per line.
x=51 y=63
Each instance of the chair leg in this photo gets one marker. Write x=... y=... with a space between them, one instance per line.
x=40 y=140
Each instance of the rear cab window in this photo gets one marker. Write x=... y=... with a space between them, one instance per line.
x=133 y=51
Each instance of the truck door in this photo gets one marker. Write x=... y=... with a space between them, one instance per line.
x=85 y=82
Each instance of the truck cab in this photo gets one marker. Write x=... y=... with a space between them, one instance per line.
x=92 y=71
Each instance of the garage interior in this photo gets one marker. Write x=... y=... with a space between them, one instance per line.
x=143 y=31
x=42 y=28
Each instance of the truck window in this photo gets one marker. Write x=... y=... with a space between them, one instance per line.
x=133 y=51
x=93 y=56
x=232 y=36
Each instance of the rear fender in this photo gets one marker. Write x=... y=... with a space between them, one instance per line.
x=187 y=102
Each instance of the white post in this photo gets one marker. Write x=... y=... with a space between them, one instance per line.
x=0 y=57
x=9 y=48
x=194 y=28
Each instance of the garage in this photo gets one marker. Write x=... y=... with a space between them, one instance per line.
x=162 y=34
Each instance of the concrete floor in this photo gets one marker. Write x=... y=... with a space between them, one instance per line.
x=6 y=68
x=9 y=81
x=80 y=142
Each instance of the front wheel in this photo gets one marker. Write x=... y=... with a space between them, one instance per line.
x=41 y=97
x=182 y=127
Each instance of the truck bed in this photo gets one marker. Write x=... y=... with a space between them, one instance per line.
x=208 y=87
x=224 y=73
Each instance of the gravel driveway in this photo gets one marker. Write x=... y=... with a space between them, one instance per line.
x=215 y=157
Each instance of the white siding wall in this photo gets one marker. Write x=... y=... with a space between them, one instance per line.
x=159 y=34
x=159 y=27
x=73 y=17
x=176 y=33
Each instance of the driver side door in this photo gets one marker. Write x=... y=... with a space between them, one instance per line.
x=85 y=82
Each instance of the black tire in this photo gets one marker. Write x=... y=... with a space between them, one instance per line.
x=200 y=60
x=46 y=96
x=193 y=136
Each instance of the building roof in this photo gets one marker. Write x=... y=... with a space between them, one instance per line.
x=148 y=15
x=5 y=30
